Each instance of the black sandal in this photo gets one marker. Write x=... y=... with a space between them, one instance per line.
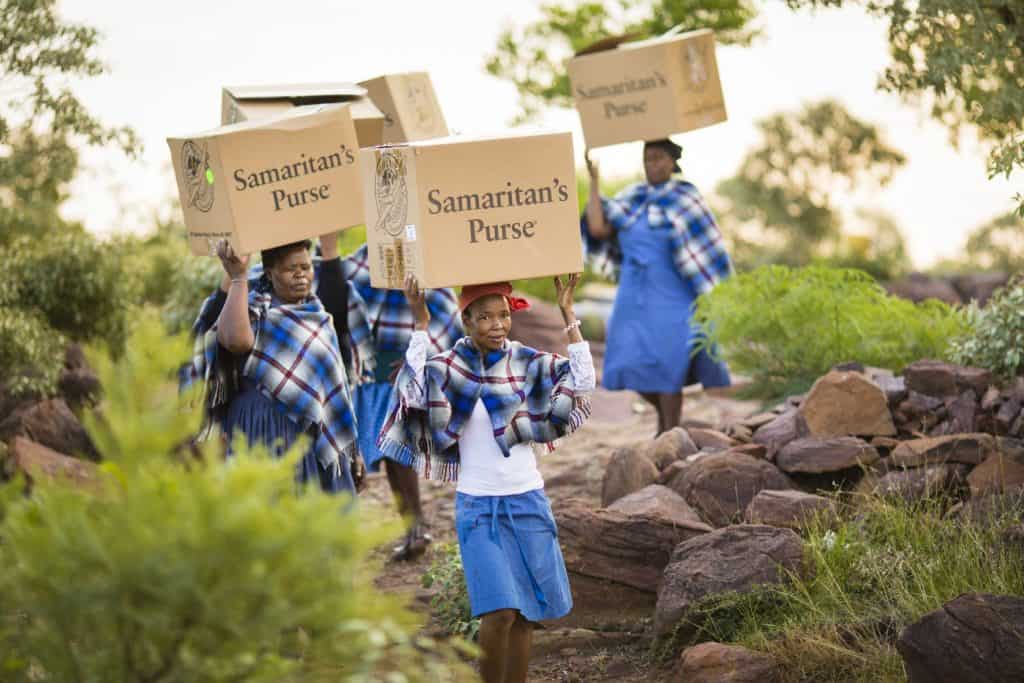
x=413 y=546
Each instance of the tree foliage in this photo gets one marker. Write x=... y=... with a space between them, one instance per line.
x=998 y=244
x=41 y=120
x=779 y=206
x=532 y=56
x=966 y=56
x=170 y=572
x=785 y=327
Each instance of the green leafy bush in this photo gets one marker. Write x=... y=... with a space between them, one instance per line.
x=785 y=327
x=31 y=353
x=451 y=602
x=194 y=571
x=76 y=282
x=996 y=339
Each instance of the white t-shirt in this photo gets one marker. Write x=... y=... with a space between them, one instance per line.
x=483 y=468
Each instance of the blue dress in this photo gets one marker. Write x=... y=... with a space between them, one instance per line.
x=650 y=333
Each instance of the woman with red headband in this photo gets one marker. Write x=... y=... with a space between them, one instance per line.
x=471 y=415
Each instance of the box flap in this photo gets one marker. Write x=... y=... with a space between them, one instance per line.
x=526 y=132
x=282 y=121
x=666 y=38
x=609 y=43
x=296 y=91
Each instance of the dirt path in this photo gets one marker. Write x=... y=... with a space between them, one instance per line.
x=606 y=638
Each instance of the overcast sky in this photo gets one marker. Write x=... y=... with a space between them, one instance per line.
x=168 y=62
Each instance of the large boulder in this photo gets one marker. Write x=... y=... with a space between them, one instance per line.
x=630 y=549
x=720 y=663
x=52 y=424
x=1000 y=472
x=938 y=378
x=720 y=486
x=976 y=638
x=788 y=509
x=736 y=559
x=847 y=404
x=628 y=470
x=659 y=503
x=37 y=462
x=919 y=287
x=675 y=444
x=816 y=455
x=969 y=449
x=780 y=431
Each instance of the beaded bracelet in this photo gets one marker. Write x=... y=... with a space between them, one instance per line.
x=572 y=326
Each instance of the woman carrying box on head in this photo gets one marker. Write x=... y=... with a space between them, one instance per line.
x=380 y=324
x=659 y=240
x=272 y=364
x=470 y=415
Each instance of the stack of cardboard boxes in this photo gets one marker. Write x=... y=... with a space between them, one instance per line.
x=294 y=161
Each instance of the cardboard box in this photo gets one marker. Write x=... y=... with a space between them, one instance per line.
x=647 y=90
x=410 y=106
x=459 y=211
x=252 y=102
x=270 y=182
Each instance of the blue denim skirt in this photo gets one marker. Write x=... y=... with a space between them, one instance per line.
x=510 y=555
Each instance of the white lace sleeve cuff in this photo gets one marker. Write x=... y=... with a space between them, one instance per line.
x=414 y=391
x=581 y=367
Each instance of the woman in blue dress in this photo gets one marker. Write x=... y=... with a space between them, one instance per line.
x=659 y=240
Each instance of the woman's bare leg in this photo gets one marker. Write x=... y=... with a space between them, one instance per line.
x=495 y=629
x=655 y=400
x=670 y=407
x=520 y=638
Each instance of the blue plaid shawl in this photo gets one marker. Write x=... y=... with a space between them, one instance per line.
x=295 y=360
x=383 y=318
x=528 y=394
x=700 y=254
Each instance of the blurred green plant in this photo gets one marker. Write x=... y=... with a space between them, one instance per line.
x=31 y=353
x=785 y=327
x=199 y=570
x=451 y=601
x=996 y=338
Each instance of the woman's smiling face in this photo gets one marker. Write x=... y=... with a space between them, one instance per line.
x=488 y=321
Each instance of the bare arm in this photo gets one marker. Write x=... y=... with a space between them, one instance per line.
x=597 y=226
x=234 y=331
x=565 y=290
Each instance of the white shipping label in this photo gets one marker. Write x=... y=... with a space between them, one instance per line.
x=410 y=233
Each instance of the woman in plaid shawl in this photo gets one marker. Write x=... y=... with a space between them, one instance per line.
x=380 y=325
x=470 y=415
x=272 y=365
x=659 y=241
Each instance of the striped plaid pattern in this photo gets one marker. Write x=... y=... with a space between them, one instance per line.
x=383 y=317
x=699 y=250
x=295 y=360
x=528 y=394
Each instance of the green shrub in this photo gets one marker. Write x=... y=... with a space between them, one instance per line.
x=194 y=571
x=882 y=567
x=996 y=340
x=451 y=602
x=31 y=353
x=785 y=327
x=76 y=282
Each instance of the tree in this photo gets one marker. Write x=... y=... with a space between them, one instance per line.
x=532 y=56
x=998 y=244
x=42 y=122
x=966 y=55
x=778 y=207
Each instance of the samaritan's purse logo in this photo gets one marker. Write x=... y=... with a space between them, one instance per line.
x=195 y=164
x=391 y=192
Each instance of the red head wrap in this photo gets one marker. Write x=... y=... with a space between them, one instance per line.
x=471 y=293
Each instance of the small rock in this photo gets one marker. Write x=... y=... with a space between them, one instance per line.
x=920 y=482
x=671 y=472
x=734 y=559
x=39 y=462
x=628 y=470
x=675 y=444
x=1006 y=414
x=788 y=509
x=976 y=638
x=781 y=431
x=659 y=503
x=936 y=378
x=711 y=439
x=759 y=420
x=969 y=449
x=52 y=424
x=847 y=404
x=1000 y=472
x=962 y=411
x=718 y=663
x=815 y=455
x=754 y=450
x=990 y=399
x=894 y=388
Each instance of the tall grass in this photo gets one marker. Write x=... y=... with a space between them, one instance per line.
x=879 y=569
